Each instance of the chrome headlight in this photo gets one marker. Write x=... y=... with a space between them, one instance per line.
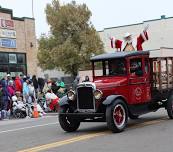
x=98 y=94
x=71 y=95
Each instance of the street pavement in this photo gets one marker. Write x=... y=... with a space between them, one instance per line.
x=151 y=133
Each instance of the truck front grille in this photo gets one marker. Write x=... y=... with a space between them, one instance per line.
x=85 y=98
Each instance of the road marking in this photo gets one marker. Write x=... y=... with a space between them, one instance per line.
x=12 y=130
x=85 y=137
x=64 y=142
x=147 y=123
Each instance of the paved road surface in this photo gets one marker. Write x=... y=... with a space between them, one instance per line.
x=151 y=133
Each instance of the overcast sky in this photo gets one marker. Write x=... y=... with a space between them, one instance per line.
x=105 y=13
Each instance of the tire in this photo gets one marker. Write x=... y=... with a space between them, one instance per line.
x=117 y=116
x=19 y=114
x=131 y=116
x=66 y=122
x=169 y=106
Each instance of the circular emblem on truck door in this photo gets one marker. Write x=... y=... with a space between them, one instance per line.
x=138 y=92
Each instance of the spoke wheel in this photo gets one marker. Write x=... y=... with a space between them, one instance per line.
x=67 y=123
x=117 y=116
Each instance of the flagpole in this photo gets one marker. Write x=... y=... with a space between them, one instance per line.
x=32 y=9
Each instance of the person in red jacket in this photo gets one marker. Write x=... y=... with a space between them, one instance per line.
x=18 y=84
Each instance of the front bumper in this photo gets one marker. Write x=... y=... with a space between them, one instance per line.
x=86 y=117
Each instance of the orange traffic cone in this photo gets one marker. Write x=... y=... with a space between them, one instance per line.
x=35 y=113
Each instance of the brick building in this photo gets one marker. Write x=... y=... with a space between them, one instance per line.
x=18 y=53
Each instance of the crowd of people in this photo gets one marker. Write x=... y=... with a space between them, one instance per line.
x=19 y=95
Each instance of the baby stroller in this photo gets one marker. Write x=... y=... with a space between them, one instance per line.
x=19 y=108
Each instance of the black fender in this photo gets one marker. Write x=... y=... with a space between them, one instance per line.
x=63 y=101
x=110 y=99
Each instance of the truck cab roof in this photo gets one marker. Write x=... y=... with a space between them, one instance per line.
x=114 y=55
x=163 y=52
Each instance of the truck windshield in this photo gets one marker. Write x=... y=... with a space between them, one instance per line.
x=116 y=67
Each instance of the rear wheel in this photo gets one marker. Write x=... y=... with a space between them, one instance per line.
x=169 y=106
x=67 y=123
x=117 y=116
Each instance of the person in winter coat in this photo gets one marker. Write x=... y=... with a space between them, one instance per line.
x=11 y=89
x=52 y=101
x=32 y=93
x=5 y=101
x=75 y=82
x=35 y=83
x=41 y=83
x=18 y=84
x=11 y=92
x=26 y=90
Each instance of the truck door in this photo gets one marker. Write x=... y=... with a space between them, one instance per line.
x=138 y=80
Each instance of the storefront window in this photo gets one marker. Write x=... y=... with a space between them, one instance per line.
x=3 y=58
x=13 y=63
x=3 y=70
x=21 y=58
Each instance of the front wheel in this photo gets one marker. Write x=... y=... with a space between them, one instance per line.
x=117 y=116
x=169 y=106
x=66 y=122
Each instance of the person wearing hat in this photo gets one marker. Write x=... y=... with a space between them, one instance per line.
x=129 y=43
x=8 y=78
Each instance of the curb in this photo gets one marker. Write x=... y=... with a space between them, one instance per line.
x=51 y=114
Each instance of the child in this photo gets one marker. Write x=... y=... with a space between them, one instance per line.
x=52 y=101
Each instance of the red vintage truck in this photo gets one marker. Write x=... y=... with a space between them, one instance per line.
x=128 y=85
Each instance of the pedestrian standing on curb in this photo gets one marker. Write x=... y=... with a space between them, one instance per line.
x=26 y=90
x=5 y=95
x=8 y=78
x=41 y=84
x=0 y=99
x=75 y=82
x=21 y=78
x=11 y=92
x=32 y=93
x=35 y=84
x=18 y=84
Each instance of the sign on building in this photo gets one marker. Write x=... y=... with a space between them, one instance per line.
x=7 y=33
x=7 y=43
x=9 y=24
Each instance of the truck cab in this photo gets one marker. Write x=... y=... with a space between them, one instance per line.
x=125 y=85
